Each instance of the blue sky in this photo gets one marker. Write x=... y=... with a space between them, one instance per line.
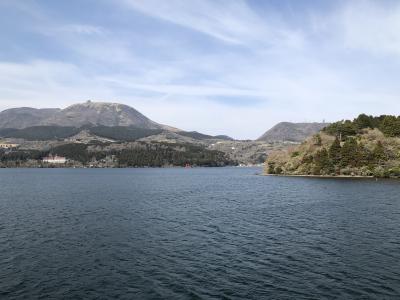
x=220 y=67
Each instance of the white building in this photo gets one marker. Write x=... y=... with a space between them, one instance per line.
x=55 y=159
x=8 y=146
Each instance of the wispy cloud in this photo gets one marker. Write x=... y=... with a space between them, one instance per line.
x=82 y=29
x=234 y=67
x=228 y=21
x=231 y=21
x=371 y=26
x=46 y=84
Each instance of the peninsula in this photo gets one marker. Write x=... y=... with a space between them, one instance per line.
x=366 y=146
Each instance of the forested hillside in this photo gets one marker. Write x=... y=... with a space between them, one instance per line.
x=365 y=146
x=136 y=154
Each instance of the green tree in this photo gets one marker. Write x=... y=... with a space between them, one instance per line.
x=378 y=154
x=322 y=163
x=335 y=151
x=364 y=121
x=363 y=156
x=349 y=153
x=271 y=167
x=278 y=170
x=390 y=126
x=342 y=129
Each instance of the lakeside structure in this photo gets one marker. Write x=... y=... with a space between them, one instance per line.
x=8 y=146
x=55 y=159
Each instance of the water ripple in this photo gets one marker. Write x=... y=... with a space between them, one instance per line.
x=196 y=234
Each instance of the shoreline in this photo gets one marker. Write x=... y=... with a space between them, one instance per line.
x=325 y=176
x=124 y=167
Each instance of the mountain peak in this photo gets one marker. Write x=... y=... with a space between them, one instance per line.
x=77 y=115
x=291 y=132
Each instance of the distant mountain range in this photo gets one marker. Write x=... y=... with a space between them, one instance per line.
x=77 y=115
x=107 y=120
x=124 y=122
x=105 y=128
x=291 y=132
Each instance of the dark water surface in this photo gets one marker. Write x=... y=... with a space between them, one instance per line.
x=196 y=234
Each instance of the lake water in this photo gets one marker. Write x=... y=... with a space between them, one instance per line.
x=203 y=233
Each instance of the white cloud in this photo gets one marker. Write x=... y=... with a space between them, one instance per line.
x=54 y=84
x=46 y=84
x=371 y=26
x=229 y=21
x=334 y=65
x=82 y=29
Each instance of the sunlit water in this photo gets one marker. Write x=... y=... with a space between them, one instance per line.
x=196 y=234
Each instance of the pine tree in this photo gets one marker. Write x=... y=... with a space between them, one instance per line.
x=322 y=163
x=335 y=151
x=390 y=126
x=349 y=153
x=378 y=154
x=363 y=156
x=364 y=121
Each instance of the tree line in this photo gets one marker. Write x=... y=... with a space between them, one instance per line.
x=141 y=155
x=389 y=125
x=351 y=157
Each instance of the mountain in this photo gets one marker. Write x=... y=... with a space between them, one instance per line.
x=100 y=113
x=366 y=146
x=77 y=115
x=25 y=117
x=291 y=132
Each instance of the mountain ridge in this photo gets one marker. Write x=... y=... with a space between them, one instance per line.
x=111 y=114
x=22 y=117
x=77 y=115
x=291 y=132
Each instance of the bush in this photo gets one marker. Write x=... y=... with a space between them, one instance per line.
x=278 y=170
x=295 y=154
x=380 y=172
x=271 y=168
x=394 y=172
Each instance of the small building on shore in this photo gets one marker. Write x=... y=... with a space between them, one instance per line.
x=8 y=146
x=55 y=159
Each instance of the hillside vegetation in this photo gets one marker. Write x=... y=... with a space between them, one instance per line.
x=137 y=154
x=366 y=146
